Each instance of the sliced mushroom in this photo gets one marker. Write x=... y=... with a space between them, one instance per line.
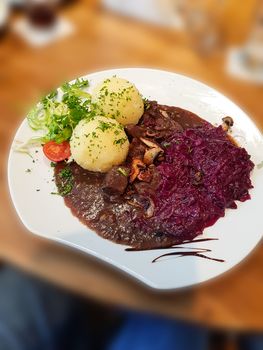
x=140 y=202
x=164 y=113
x=227 y=123
x=136 y=167
x=151 y=133
x=149 y=143
x=134 y=204
x=151 y=154
x=150 y=210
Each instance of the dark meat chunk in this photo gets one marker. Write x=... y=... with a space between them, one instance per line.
x=186 y=119
x=137 y=149
x=140 y=131
x=135 y=131
x=145 y=175
x=145 y=187
x=116 y=180
x=159 y=122
x=144 y=191
x=165 y=118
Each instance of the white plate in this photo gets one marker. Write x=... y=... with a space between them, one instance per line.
x=238 y=232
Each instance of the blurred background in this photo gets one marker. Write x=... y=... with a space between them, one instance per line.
x=54 y=298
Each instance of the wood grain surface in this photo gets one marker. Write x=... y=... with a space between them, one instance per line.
x=104 y=40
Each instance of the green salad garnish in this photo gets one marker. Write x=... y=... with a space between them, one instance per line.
x=57 y=115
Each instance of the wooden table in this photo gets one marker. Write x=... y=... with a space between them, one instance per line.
x=103 y=40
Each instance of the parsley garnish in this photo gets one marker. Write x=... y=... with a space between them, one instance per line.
x=104 y=126
x=65 y=173
x=65 y=185
x=78 y=84
x=166 y=144
x=120 y=141
x=123 y=172
x=146 y=104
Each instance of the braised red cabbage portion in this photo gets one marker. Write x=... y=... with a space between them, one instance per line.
x=203 y=173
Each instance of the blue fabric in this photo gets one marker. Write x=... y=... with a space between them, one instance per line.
x=33 y=315
x=143 y=332
x=37 y=316
x=254 y=342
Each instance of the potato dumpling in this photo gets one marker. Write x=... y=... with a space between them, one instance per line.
x=119 y=99
x=99 y=144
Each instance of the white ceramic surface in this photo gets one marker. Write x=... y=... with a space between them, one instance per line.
x=4 y=12
x=238 y=232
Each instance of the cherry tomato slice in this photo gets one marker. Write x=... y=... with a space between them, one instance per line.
x=57 y=152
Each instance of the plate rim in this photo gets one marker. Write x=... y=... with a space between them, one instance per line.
x=103 y=258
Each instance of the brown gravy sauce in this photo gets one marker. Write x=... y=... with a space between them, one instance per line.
x=112 y=217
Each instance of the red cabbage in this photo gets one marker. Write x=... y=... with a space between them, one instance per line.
x=203 y=173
